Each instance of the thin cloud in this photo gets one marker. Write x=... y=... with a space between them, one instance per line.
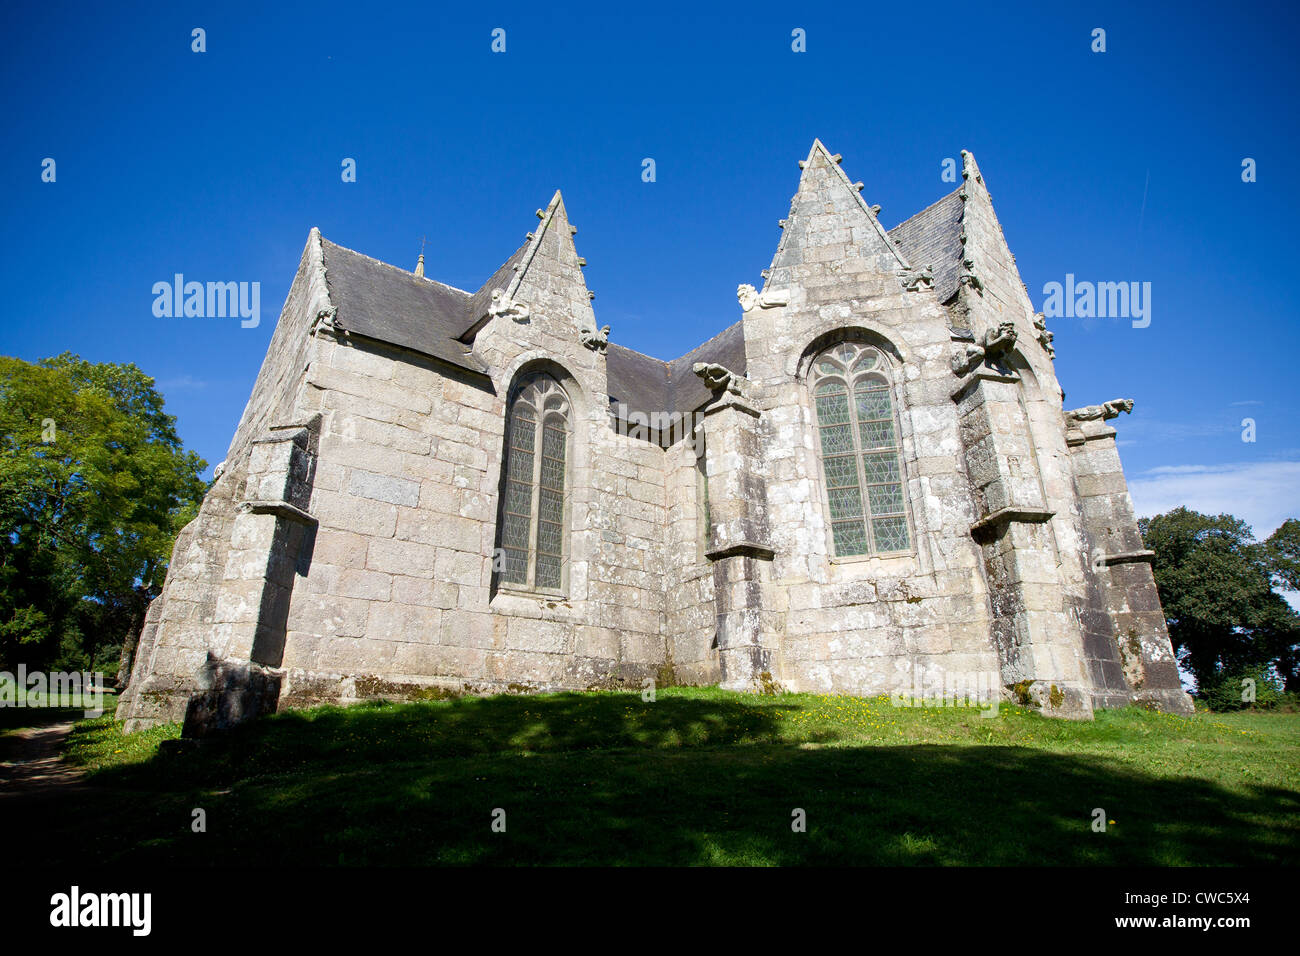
x=1263 y=494
x=182 y=383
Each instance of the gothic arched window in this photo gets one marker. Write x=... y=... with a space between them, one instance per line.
x=533 y=539
x=860 y=453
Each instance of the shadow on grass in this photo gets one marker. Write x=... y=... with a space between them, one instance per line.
x=690 y=781
x=359 y=737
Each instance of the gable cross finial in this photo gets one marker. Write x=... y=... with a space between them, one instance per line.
x=419 y=264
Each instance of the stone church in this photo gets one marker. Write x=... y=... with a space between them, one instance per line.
x=867 y=483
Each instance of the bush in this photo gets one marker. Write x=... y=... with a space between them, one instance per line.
x=1229 y=692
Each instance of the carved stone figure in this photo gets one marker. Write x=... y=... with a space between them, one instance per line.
x=716 y=377
x=595 y=339
x=751 y=298
x=1044 y=337
x=325 y=321
x=914 y=280
x=1103 y=412
x=988 y=349
x=504 y=306
x=968 y=276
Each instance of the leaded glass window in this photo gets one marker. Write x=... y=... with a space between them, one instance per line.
x=533 y=539
x=857 y=429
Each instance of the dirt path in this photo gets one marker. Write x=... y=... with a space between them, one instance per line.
x=31 y=761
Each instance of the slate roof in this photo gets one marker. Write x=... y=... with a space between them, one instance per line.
x=635 y=380
x=646 y=384
x=933 y=238
x=392 y=305
x=480 y=300
x=727 y=349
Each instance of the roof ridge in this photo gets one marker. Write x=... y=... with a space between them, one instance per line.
x=694 y=348
x=914 y=215
x=388 y=265
x=493 y=274
x=615 y=345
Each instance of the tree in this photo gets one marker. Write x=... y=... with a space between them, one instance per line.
x=1283 y=548
x=1216 y=586
x=94 y=486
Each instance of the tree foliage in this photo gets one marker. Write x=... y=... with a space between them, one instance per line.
x=1283 y=548
x=94 y=485
x=1216 y=585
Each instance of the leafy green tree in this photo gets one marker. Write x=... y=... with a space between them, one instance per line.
x=1216 y=585
x=94 y=485
x=1283 y=547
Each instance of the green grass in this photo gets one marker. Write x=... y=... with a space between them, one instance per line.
x=700 y=776
x=38 y=709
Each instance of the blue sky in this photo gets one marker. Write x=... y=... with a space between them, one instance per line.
x=1115 y=166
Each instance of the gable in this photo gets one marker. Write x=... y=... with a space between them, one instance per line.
x=389 y=304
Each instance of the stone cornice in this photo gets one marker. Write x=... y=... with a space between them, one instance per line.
x=731 y=400
x=749 y=549
x=1077 y=436
x=281 y=509
x=1124 y=557
x=982 y=375
x=1009 y=514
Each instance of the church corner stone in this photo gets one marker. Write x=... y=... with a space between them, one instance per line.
x=462 y=492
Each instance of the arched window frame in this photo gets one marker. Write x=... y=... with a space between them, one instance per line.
x=878 y=521
x=536 y=483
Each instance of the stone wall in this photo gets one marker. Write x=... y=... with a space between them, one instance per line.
x=862 y=625
x=399 y=596
x=1125 y=635
x=690 y=624
x=181 y=630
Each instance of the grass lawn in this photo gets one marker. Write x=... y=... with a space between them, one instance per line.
x=699 y=776
x=39 y=710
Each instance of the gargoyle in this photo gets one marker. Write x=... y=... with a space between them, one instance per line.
x=595 y=339
x=325 y=321
x=1103 y=412
x=968 y=276
x=504 y=306
x=989 y=348
x=916 y=279
x=716 y=377
x=750 y=298
x=1044 y=337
